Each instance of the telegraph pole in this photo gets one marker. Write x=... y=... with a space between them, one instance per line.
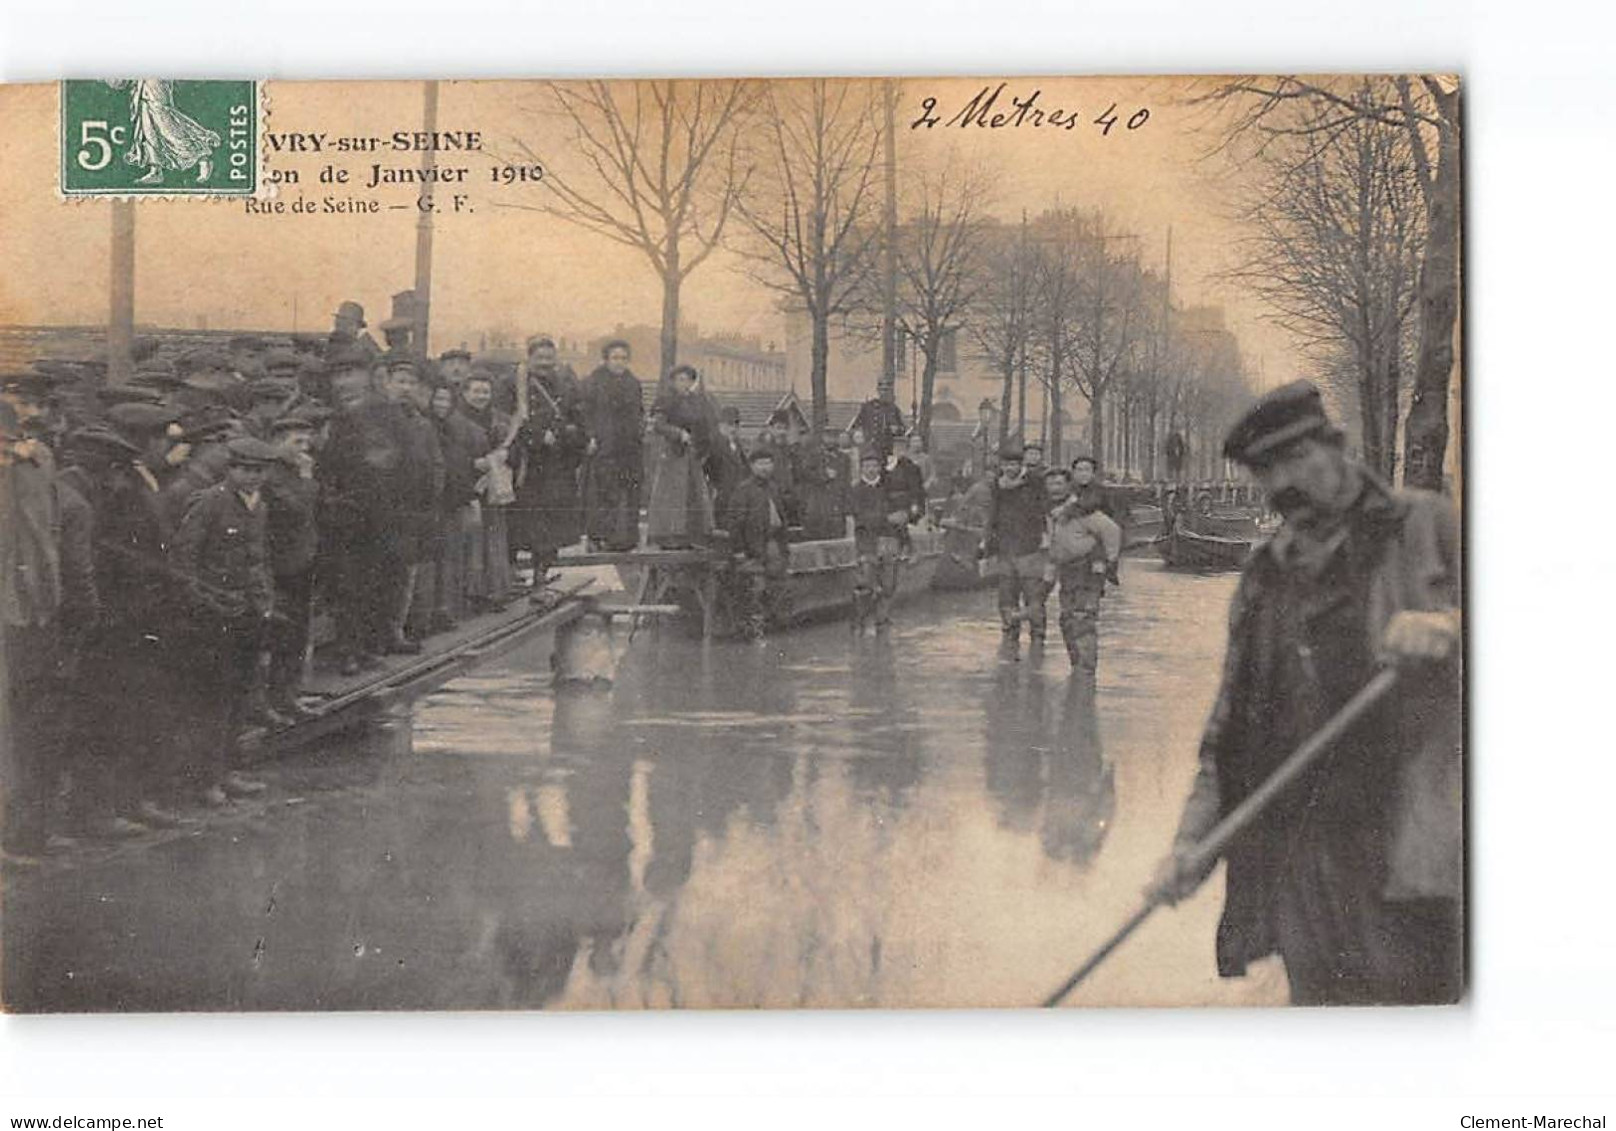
x=423 y=225
x=889 y=251
x=121 y=305
x=1025 y=282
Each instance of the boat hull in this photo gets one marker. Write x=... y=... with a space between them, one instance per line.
x=1194 y=552
x=1205 y=550
x=820 y=576
x=819 y=581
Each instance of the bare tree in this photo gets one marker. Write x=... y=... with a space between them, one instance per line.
x=1337 y=237
x=1425 y=109
x=814 y=212
x=1000 y=322
x=1108 y=322
x=659 y=168
x=1433 y=111
x=1148 y=386
x=1057 y=280
x=939 y=257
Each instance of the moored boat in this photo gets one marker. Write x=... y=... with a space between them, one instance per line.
x=819 y=579
x=820 y=575
x=1208 y=542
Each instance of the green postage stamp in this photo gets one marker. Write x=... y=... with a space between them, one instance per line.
x=159 y=137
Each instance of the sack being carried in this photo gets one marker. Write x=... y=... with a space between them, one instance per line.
x=1073 y=535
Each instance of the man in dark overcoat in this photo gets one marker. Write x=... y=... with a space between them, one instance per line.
x=1015 y=534
x=1354 y=877
x=418 y=485
x=726 y=465
x=881 y=422
x=358 y=525
x=757 y=531
x=293 y=533
x=221 y=550
x=548 y=512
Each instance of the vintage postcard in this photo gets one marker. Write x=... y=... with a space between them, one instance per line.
x=957 y=542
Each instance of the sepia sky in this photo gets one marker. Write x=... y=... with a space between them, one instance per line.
x=503 y=266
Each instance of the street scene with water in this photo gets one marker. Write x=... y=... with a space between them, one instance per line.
x=732 y=543
x=824 y=820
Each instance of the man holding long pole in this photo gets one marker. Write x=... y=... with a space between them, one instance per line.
x=1353 y=872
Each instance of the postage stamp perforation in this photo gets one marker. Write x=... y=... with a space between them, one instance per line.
x=162 y=151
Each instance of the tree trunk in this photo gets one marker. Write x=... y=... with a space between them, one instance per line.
x=1152 y=418
x=820 y=364
x=1097 y=426
x=1004 y=397
x=670 y=319
x=1370 y=409
x=928 y=382
x=1393 y=391
x=1021 y=401
x=1425 y=434
x=1052 y=453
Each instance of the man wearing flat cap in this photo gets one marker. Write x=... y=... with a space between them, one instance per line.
x=756 y=523
x=1354 y=875
x=115 y=577
x=1016 y=535
x=293 y=543
x=454 y=366
x=221 y=549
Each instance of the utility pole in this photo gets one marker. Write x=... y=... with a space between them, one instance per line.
x=889 y=252
x=121 y=305
x=423 y=225
x=1024 y=283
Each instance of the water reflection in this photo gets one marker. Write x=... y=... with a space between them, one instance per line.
x=830 y=820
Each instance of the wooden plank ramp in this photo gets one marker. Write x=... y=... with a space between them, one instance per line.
x=337 y=703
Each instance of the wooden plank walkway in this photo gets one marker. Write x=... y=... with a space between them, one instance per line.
x=338 y=702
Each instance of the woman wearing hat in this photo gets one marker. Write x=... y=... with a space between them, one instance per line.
x=682 y=418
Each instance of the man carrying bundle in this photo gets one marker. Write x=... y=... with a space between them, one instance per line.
x=1084 y=545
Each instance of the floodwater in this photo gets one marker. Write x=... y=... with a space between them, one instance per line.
x=824 y=820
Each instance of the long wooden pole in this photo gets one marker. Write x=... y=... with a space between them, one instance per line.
x=423 y=227
x=1209 y=849
x=121 y=304
x=889 y=247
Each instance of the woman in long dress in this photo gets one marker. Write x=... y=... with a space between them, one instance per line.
x=163 y=137
x=488 y=584
x=680 y=514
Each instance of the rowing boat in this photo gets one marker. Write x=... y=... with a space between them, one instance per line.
x=1208 y=542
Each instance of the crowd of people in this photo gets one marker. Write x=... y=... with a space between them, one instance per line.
x=171 y=537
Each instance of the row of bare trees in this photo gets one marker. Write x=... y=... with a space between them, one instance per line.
x=790 y=176
x=668 y=167
x=1067 y=311
x=1354 y=243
